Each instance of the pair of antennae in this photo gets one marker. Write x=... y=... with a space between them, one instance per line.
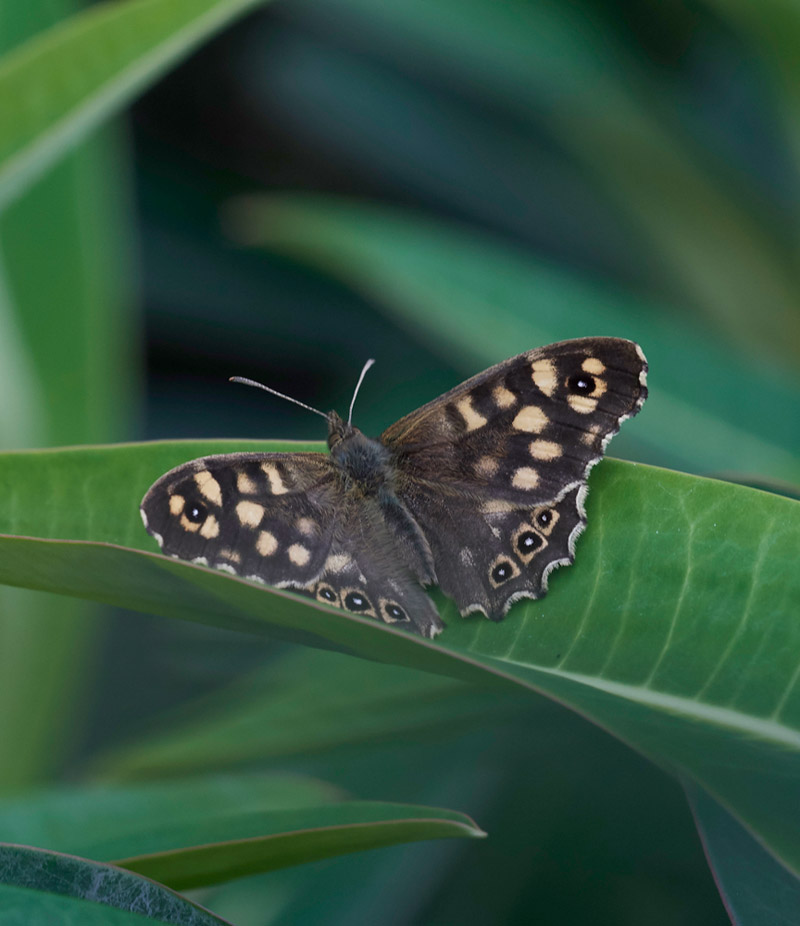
x=252 y=382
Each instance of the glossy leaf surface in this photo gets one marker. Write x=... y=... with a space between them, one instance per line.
x=636 y=635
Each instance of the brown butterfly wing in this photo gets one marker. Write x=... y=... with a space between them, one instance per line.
x=494 y=472
x=287 y=520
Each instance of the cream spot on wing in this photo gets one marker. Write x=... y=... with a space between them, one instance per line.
x=543 y=373
x=497 y=506
x=472 y=419
x=226 y=567
x=530 y=419
x=188 y=525
x=208 y=486
x=299 y=554
x=198 y=560
x=210 y=528
x=590 y=435
x=276 y=484
x=176 y=503
x=231 y=555
x=525 y=478
x=545 y=450
x=245 y=484
x=267 y=543
x=593 y=365
x=337 y=562
x=249 y=514
x=486 y=467
x=306 y=526
x=583 y=404
x=504 y=398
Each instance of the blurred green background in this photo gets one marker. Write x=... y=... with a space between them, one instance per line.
x=437 y=185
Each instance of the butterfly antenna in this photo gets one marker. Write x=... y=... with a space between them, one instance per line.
x=367 y=365
x=252 y=382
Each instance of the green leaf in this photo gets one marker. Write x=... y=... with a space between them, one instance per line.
x=676 y=628
x=62 y=83
x=286 y=838
x=773 y=29
x=468 y=292
x=757 y=890
x=206 y=830
x=66 y=373
x=108 y=821
x=40 y=888
x=305 y=703
x=570 y=71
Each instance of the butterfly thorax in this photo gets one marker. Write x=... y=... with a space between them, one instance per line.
x=368 y=468
x=362 y=460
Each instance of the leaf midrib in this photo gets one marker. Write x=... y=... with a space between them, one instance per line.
x=759 y=727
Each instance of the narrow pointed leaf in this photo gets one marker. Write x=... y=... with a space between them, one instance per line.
x=62 y=83
x=206 y=830
x=286 y=838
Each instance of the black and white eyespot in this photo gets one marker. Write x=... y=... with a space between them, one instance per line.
x=528 y=542
x=581 y=384
x=545 y=519
x=327 y=594
x=392 y=613
x=501 y=570
x=196 y=512
x=357 y=601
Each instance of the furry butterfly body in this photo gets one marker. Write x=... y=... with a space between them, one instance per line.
x=480 y=491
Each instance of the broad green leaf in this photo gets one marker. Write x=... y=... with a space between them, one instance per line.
x=676 y=628
x=467 y=292
x=757 y=890
x=40 y=888
x=203 y=831
x=305 y=703
x=63 y=82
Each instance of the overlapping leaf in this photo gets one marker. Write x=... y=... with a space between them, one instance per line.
x=201 y=831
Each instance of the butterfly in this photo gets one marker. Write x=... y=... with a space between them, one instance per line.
x=480 y=491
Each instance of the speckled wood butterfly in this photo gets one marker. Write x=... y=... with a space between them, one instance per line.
x=480 y=491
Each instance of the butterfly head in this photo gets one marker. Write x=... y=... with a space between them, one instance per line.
x=338 y=430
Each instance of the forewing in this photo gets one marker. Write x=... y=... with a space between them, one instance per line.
x=268 y=517
x=483 y=467
x=528 y=427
